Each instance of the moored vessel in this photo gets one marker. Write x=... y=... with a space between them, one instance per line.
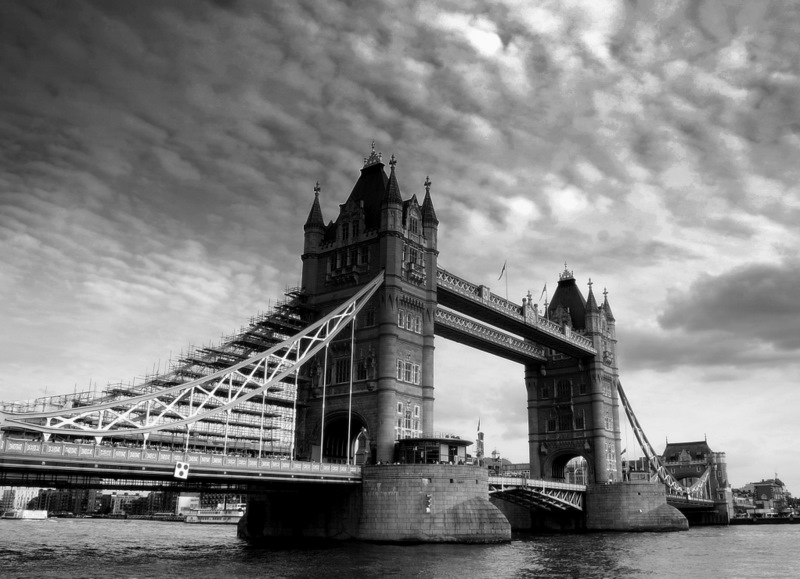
x=27 y=514
x=222 y=515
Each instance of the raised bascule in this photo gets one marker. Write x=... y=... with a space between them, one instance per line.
x=303 y=408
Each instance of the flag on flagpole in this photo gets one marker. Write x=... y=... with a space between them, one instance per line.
x=502 y=271
x=479 y=424
x=544 y=291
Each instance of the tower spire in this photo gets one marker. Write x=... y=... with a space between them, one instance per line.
x=428 y=212
x=591 y=304
x=606 y=307
x=315 y=218
x=393 y=188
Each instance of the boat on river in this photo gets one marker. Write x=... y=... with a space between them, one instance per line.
x=222 y=515
x=25 y=514
x=766 y=519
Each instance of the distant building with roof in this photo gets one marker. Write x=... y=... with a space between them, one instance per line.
x=691 y=463
x=770 y=495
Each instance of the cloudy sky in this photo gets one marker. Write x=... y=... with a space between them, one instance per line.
x=158 y=159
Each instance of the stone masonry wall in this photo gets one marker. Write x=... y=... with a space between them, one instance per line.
x=631 y=506
x=396 y=500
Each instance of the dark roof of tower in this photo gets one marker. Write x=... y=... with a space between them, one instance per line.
x=428 y=212
x=370 y=190
x=315 y=218
x=567 y=295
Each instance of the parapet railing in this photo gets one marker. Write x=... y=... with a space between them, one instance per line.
x=515 y=481
x=92 y=452
x=452 y=320
x=481 y=294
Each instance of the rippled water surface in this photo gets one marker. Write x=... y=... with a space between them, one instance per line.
x=88 y=548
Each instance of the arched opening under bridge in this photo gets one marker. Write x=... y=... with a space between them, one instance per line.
x=568 y=467
x=337 y=439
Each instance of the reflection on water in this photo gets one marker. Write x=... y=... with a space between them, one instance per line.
x=72 y=548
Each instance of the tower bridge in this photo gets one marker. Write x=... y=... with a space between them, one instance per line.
x=343 y=368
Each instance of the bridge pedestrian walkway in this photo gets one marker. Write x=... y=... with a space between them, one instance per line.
x=479 y=303
x=537 y=493
x=30 y=460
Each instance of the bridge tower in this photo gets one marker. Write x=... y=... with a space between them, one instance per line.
x=386 y=377
x=573 y=406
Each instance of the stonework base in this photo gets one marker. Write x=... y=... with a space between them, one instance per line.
x=395 y=503
x=430 y=503
x=631 y=506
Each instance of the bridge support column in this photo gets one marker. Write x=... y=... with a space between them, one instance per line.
x=427 y=381
x=387 y=395
x=531 y=376
x=419 y=503
x=631 y=506
x=430 y=503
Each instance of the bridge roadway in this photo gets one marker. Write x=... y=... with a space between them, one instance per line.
x=689 y=503
x=30 y=462
x=71 y=465
x=476 y=301
x=537 y=493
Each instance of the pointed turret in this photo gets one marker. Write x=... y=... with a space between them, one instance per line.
x=392 y=205
x=312 y=243
x=592 y=312
x=315 y=225
x=607 y=308
x=610 y=320
x=428 y=212
x=315 y=218
x=591 y=304
x=430 y=224
x=393 y=196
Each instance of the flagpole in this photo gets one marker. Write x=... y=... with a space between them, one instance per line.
x=506 y=284
x=502 y=273
x=544 y=294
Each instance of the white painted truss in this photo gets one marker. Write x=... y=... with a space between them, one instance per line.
x=538 y=493
x=209 y=397
x=657 y=469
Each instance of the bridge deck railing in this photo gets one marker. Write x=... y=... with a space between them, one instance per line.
x=489 y=334
x=515 y=481
x=673 y=498
x=481 y=295
x=91 y=452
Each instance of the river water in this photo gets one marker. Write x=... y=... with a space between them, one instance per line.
x=93 y=548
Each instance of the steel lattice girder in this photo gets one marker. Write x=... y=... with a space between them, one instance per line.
x=550 y=499
x=224 y=389
x=657 y=468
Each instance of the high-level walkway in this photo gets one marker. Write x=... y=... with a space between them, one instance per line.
x=527 y=330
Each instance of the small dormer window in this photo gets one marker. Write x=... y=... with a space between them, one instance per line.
x=413 y=225
x=355 y=229
x=345 y=231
